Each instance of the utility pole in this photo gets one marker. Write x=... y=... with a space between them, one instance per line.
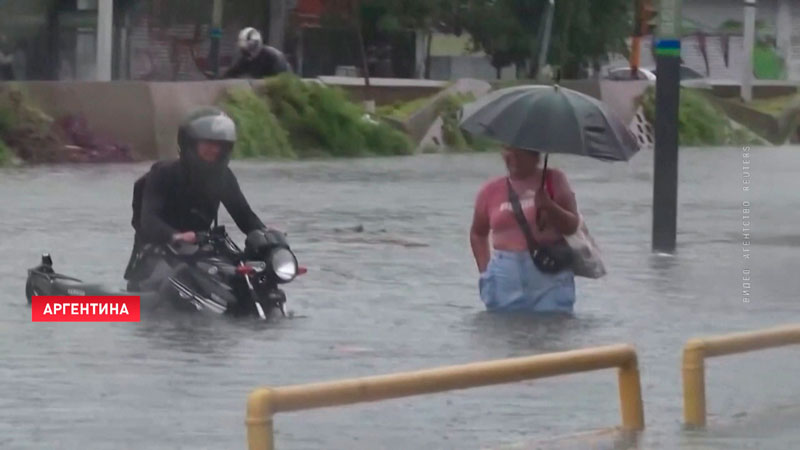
x=665 y=178
x=105 y=39
x=749 y=42
x=547 y=31
x=277 y=22
x=216 y=35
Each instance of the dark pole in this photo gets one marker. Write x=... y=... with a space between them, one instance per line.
x=665 y=181
x=216 y=34
x=52 y=47
x=356 y=17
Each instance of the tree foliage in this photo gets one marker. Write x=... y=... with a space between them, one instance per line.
x=494 y=29
x=583 y=31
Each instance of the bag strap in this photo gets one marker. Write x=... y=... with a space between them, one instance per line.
x=520 y=216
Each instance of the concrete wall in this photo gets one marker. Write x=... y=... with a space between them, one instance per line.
x=384 y=96
x=383 y=90
x=620 y=96
x=142 y=114
x=467 y=66
x=121 y=111
x=146 y=115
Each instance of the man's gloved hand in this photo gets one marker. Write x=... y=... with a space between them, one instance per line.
x=188 y=237
x=276 y=238
x=260 y=241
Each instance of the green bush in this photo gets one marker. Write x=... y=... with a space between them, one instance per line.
x=259 y=132
x=700 y=123
x=320 y=120
x=767 y=63
x=25 y=130
x=7 y=119
x=5 y=153
x=402 y=110
x=6 y=125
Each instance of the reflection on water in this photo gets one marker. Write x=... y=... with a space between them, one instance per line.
x=180 y=332
x=392 y=286
x=527 y=333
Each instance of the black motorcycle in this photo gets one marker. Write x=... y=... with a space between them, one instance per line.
x=213 y=275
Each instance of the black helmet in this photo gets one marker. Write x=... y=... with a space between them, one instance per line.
x=208 y=123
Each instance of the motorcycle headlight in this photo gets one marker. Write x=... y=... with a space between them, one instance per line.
x=284 y=264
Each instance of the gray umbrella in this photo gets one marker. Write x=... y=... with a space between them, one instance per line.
x=550 y=119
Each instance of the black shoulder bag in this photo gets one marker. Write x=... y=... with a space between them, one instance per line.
x=551 y=259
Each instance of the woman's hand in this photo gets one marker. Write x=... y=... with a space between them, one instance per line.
x=560 y=213
x=479 y=232
x=543 y=200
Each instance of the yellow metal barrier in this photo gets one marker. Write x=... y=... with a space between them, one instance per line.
x=263 y=403
x=697 y=350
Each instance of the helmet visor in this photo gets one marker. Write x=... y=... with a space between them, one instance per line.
x=213 y=128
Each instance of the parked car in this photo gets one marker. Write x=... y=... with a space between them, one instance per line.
x=624 y=73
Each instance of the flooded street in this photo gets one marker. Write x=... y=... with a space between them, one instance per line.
x=402 y=295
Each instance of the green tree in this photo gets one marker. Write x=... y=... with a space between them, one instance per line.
x=400 y=16
x=494 y=29
x=584 y=32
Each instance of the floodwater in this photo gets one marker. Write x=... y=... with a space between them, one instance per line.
x=402 y=295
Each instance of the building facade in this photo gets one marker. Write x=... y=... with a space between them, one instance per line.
x=169 y=40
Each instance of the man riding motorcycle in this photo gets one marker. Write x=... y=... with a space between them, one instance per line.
x=178 y=198
x=257 y=60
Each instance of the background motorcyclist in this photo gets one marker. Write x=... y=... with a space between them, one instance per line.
x=256 y=60
x=178 y=198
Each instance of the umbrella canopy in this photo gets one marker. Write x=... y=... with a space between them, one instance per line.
x=550 y=119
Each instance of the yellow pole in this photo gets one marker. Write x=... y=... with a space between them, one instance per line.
x=345 y=392
x=694 y=388
x=263 y=403
x=752 y=340
x=630 y=396
x=697 y=350
x=259 y=420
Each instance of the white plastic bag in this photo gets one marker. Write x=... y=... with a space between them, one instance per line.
x=587 y=260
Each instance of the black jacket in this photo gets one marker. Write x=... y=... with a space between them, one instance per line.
x=266 y=63
x=166 y=201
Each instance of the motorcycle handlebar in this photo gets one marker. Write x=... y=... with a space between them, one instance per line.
x=202 y=237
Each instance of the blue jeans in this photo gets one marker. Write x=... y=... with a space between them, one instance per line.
x=512 y=282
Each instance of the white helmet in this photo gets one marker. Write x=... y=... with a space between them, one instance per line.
x=250 y=40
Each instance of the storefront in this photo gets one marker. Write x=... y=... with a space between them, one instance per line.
x=58 y=40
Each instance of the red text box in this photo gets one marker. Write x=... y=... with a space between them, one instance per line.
x=67 y=308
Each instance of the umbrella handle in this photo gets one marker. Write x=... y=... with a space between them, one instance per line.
x=544 y=170
x=544 y=177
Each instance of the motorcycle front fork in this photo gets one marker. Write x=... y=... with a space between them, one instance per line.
x=254 y=297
